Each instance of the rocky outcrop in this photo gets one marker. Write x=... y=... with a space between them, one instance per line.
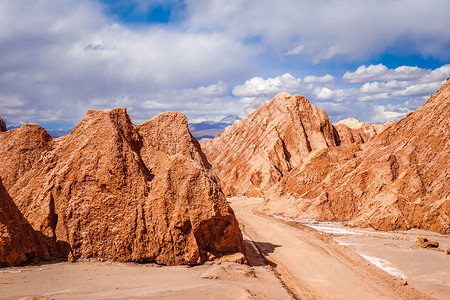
x=425 y=243
x=398 y=180
x=19 y=243
x=350 y=131
x=2 y=125
x=113 y=190
x=255 y=153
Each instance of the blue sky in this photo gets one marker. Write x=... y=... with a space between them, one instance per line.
x=374 y=60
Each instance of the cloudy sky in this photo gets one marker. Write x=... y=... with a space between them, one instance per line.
x=374 y=60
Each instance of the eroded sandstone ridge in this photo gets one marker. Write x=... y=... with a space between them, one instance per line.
x=113 y=190
x=257 y=152
x=390 y=176
x=398 y=180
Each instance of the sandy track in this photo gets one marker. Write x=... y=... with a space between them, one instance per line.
x=314 y=266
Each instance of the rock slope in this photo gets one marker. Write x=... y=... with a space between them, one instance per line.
x=19 y=243
x=398 y=180
x=351 y=131
x=255 y=153
x=113 y=190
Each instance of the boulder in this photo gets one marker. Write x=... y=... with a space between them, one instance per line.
x=425 y=243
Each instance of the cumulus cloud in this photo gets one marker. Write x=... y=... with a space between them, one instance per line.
x=318 y=79
x=325 y=93
x=259 y=86
x=64 y=58
x=383 y=114
x=60 y=58
x=332 y=27
x=381 y=73
x=373 y=101
x=402 y=82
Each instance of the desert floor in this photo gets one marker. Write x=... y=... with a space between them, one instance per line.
x=286 y=260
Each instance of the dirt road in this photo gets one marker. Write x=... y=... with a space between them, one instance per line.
x=312 y=265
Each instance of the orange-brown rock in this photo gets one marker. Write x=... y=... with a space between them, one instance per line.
x=352 y=131
x=425 y=243
x=2 y=125
x=19 y=243
x=255 y=153
x=113 y=190
x=398 y=180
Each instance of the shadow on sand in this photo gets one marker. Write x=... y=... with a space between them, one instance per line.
x=257 y=252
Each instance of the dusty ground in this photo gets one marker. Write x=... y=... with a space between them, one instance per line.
x=313 y=265
x=426 y=269
x=95 y=280
x=287 y=260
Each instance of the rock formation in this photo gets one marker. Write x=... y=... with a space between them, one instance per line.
x=2 y=125
x=255 y=153
x=350 y=131
x=425 y=243
x=19 y=243
x=113 y=190
x=398 y=180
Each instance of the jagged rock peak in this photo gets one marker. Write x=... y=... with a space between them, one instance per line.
x=254 y=153
x=169 y=132
x=351 y=131
x=352 y=123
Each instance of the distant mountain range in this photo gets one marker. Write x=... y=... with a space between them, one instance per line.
x=210 y=129
x=55 y=133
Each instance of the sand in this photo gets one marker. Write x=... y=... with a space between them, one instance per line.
x=99 y=280
x=426 y=269
x=287 y=260
x=312 y=265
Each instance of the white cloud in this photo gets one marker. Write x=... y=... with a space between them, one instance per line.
x=438 y=74
x=295 y=51
x=381 y=73
x=331 y=27
x=419 y=89
x=69 y=57
x=321 y=79
x=60 y=58
x=214 y=101
x=325 y=93
x=382 y=114
x=259 y=86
